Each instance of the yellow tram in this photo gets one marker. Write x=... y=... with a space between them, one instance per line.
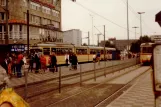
x=84 y=53
x=145 y=52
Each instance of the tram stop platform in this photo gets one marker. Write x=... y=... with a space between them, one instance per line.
x=138 y=95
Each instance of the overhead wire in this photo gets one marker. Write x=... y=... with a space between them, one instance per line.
x=102 y=16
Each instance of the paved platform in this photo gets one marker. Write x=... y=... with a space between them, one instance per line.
x=43 y=76
x=139 y=95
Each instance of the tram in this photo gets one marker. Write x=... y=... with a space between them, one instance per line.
x=84 y=53
x=145 y=53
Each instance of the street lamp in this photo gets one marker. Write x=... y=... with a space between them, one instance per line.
x=140 y=13
x=135 y=30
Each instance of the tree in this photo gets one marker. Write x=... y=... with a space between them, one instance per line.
x=84 y=44
x=135 y=46
x=108 y=44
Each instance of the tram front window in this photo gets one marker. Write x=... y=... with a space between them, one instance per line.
x=35 y=50
x=147 y=50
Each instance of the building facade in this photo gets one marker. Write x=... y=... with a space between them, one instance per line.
x=73 y=36
x=44 y=21
x=120 y=44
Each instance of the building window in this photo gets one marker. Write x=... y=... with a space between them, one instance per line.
x=46 y=10
x=2 y=16
x=55 y=13
x=3 y=2
x=34 y=6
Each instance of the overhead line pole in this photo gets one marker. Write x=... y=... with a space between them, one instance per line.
x=28 y=34
x=104 y=42
x=128 y=26
x=6 y=36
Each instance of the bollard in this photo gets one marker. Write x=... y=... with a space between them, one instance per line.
x=80 y=75
x=94 y=71
x=26 y=75
x=59 y=79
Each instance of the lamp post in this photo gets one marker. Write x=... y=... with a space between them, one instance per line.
x=140 y=13
x=135 y=30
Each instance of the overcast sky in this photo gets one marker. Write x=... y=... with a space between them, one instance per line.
x=74 y=16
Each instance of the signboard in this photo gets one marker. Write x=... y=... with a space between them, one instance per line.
x=17 y=47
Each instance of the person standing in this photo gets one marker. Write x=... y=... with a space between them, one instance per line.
x=70 y=61
x=74 y=61
x=66 y=59
x=37 y=61
x=54 y=62
x=31 y=62
x=19 y=64
x=5 y=64
x=43 y=62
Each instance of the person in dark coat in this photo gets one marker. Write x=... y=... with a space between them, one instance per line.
x=70 y=60
x=74 y=61
x=37 y=61
x=31 y=62
x=54 y=62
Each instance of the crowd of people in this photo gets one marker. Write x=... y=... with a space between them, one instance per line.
x=35 y=62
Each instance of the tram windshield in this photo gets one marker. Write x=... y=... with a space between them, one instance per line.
x=147 y=50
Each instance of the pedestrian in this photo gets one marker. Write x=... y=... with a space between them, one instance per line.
x=66 y=59
x=70 y=61
x=43 y=62
x=19 y=64
x=31 y=62
x=53 y=62
x=98 y=57
x=14 y=61
x=37 y=61
x=74 y=61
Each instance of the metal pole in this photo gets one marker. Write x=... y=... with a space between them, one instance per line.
x=94 y=71
x=98 y=39
x=28 y=33
x=128 y=26
x=26 y=75
x=140 y=26
x=92 y=31
x=80 y=75
x=59 y=79
x=6 y=36
x=88 y=39
x=104 y=43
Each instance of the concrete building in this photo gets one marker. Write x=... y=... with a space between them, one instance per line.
x=73 y=36
x=120 y=44
x=44 y=16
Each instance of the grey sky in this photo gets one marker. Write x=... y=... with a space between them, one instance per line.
x=76 y=17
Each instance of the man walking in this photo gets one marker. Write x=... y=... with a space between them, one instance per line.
x=54 y=62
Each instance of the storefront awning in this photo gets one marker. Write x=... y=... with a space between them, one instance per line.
x=158 y=18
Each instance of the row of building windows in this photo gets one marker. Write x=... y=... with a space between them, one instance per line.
x=3 y=2
x=20 y=32
x=41 y=21
x=44 y=9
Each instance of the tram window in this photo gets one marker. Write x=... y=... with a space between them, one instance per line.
x=147 y=50
x=46 y=51
x=63 y=51
x=35 y=50
x=81 y=51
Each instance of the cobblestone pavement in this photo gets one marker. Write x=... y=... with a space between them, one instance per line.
x=139 y=95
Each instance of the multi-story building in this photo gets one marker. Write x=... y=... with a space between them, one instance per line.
x=44 y=20
x=73 y=36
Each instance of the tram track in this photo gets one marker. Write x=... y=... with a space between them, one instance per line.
x=103 y=102
x=47 y=86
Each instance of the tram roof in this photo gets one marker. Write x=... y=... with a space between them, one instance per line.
x=146 y=44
